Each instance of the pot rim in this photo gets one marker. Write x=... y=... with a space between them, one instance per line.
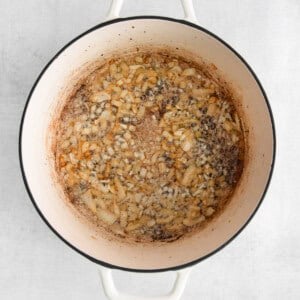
x=97 y=261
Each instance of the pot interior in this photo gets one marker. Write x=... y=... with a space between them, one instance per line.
x=47 y=96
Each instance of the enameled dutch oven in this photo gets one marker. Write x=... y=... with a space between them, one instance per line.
x=125 y=33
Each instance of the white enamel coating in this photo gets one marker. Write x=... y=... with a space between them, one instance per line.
x=46 y=96
x=114 y=10
x=189 y=11
x=187 y=5
x=113 y=294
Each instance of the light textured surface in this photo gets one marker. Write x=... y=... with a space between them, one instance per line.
x=262 y=263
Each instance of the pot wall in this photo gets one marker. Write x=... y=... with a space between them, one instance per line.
x=47 y=96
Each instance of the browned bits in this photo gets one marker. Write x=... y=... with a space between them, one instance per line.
x=149 y=145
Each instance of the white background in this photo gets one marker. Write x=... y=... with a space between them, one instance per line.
x=262 y=263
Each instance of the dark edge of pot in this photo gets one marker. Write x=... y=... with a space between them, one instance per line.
x=191 y=263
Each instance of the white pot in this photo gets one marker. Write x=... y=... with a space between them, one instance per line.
x=105 y=39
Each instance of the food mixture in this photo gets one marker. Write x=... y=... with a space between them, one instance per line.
x=149 y=146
